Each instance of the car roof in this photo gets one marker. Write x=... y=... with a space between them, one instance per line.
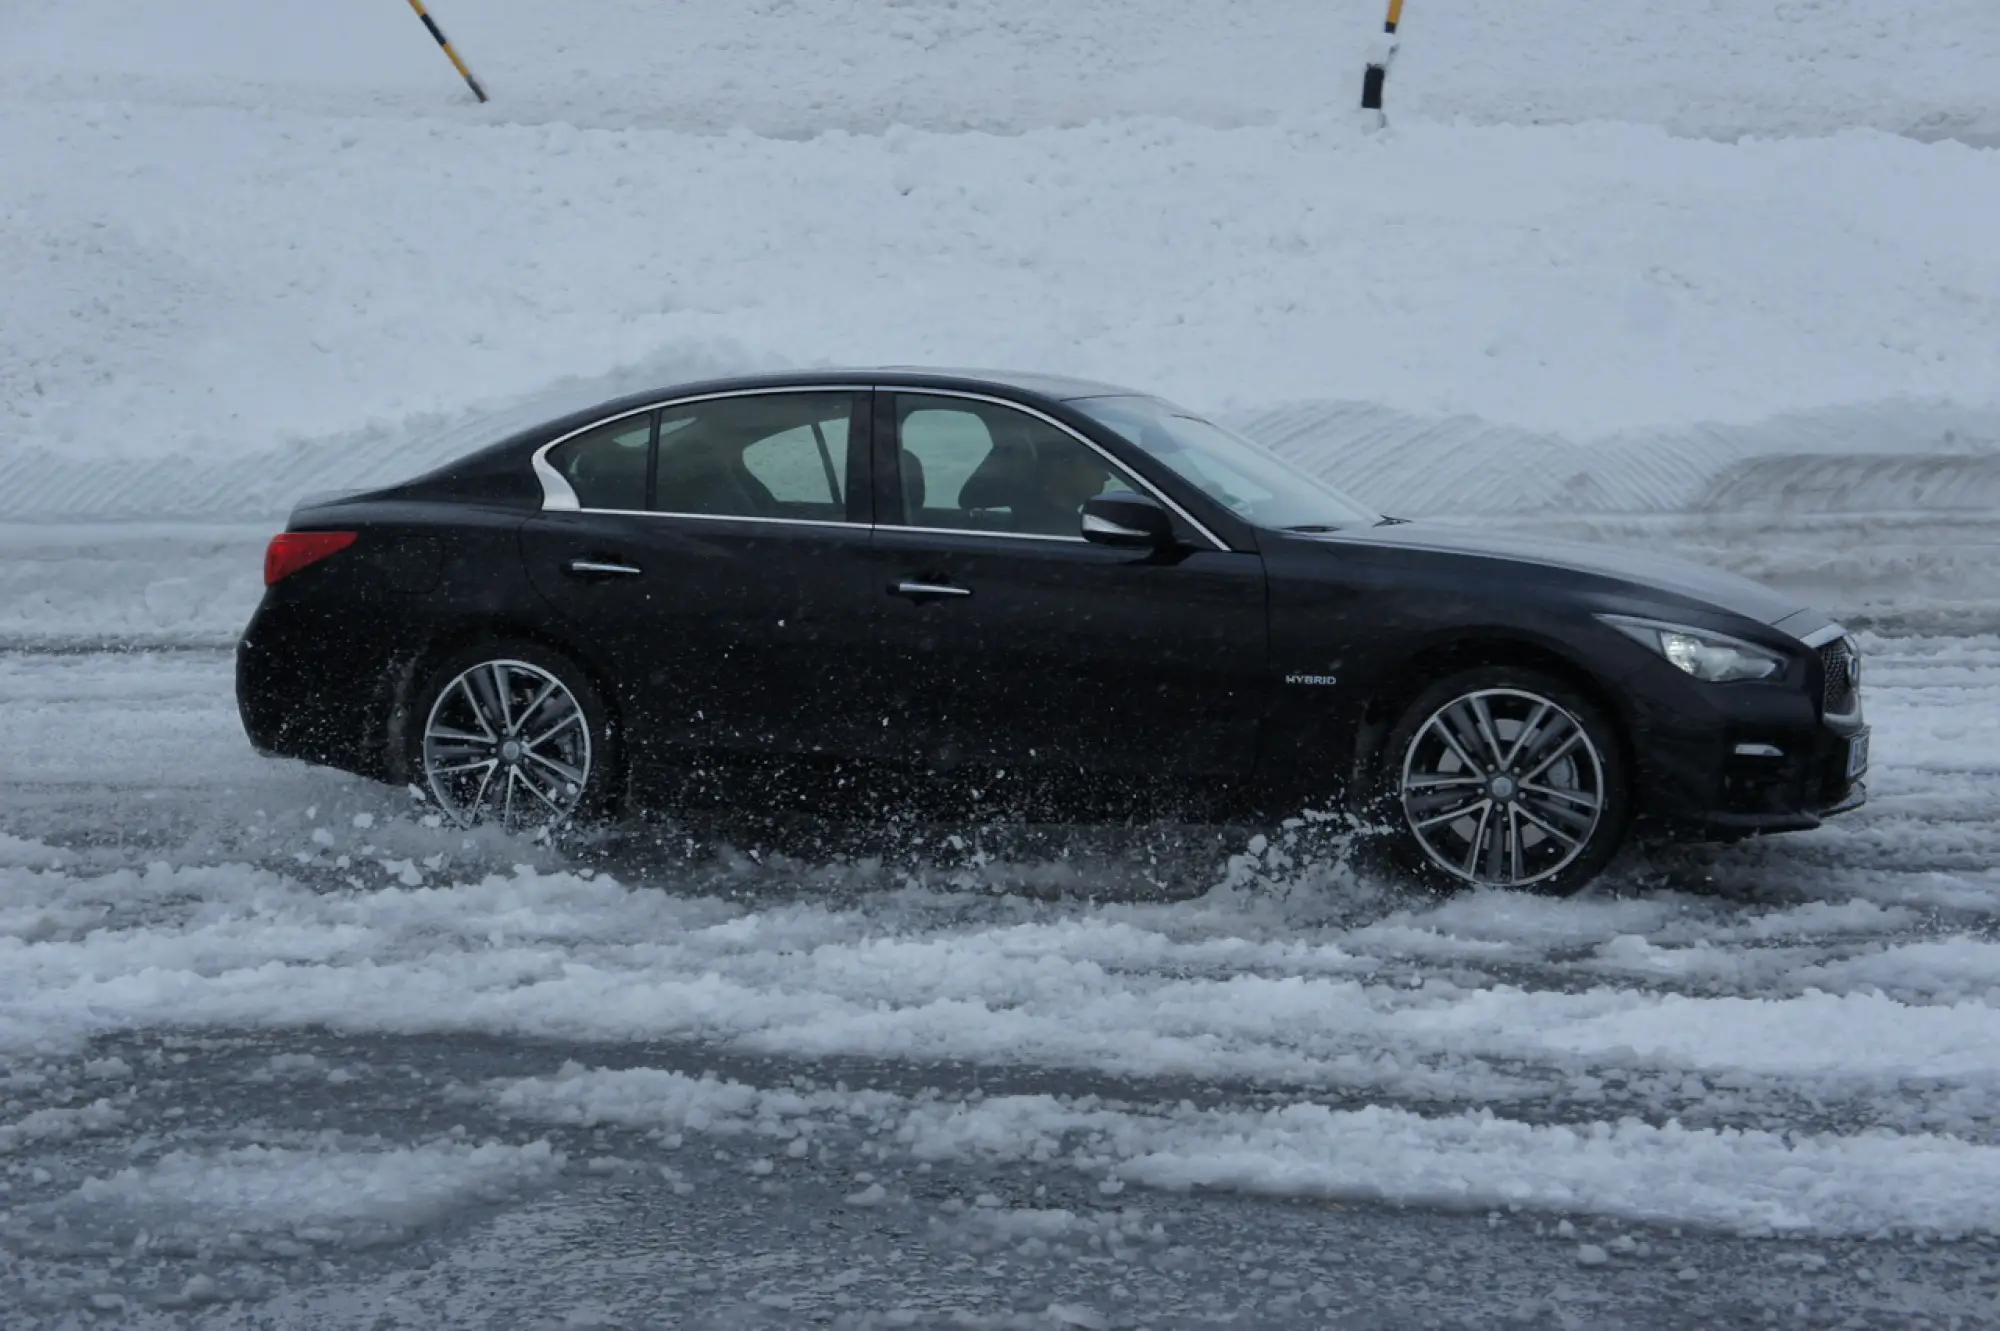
x=1032 y=383
x=1060 y=387
x=1018 y=384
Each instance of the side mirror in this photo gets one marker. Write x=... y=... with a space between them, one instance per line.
x=1132 y=521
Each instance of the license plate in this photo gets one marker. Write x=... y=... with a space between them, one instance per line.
x=1857 y=755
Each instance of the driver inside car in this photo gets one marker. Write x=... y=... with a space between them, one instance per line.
x=1061 y=480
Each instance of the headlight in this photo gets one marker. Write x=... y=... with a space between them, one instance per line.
x=1705 y=655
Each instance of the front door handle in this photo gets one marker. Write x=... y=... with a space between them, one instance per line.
x=602 y=568
x=928 y=591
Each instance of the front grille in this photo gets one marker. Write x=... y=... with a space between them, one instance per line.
x=1840 y=675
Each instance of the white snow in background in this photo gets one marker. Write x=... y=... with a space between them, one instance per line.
x=129 y=582
x=1583 y=280
x=801 y=67
x=257 y=249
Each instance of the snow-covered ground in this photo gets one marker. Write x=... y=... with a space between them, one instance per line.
x=1798 y=1040
x=1715 y=278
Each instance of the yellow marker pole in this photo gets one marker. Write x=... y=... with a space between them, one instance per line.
x=456 y=63
x=1379 y=55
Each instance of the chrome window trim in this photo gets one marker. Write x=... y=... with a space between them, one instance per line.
x=721 y=517
x=559 y=497
x=916 y=390
x=974 y=531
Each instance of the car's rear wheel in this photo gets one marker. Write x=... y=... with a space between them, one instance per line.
x=513 y=734
x=1503 y=777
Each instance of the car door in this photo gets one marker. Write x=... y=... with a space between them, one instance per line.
x=1009 y=640
x=718 y=558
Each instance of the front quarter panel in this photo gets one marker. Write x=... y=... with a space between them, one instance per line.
x=1358 y=629
x=1349 y=622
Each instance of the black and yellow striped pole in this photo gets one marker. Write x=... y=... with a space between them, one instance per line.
x=1380 y=53
x=456 y=63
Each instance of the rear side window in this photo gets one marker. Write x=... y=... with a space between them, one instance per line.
x=762 y=455
x=804 y=465
x=607 y=466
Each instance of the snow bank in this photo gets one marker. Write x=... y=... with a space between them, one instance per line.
x=1723 y=71
x=253 y=251
x=1573 y=280
x=129 y=584
x=1003 y=65
x=1896 y=457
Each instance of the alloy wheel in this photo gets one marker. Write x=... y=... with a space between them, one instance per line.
x=507 y=741
x=1503 y=787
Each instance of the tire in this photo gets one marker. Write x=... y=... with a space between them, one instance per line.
x=515 y=734
x=1545 y=818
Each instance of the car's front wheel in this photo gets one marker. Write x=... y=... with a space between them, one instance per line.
x=513 y=734
x=1503 y=777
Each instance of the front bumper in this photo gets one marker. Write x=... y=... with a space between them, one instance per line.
x=1791 y=793
x=1723 y=762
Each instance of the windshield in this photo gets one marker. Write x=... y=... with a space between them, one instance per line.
x=1251 y=482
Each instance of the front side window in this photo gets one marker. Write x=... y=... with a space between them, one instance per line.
x=607 y=466
x=979 y=466
x=766 y=455
x=1251 y=482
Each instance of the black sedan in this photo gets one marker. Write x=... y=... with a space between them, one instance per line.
x=1026 y=587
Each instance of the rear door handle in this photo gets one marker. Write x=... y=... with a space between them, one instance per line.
x=928 y=591
x=603 y=568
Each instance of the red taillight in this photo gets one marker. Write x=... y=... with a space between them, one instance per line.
x=291 y=551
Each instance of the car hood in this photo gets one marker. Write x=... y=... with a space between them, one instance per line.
x=1677 y=577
